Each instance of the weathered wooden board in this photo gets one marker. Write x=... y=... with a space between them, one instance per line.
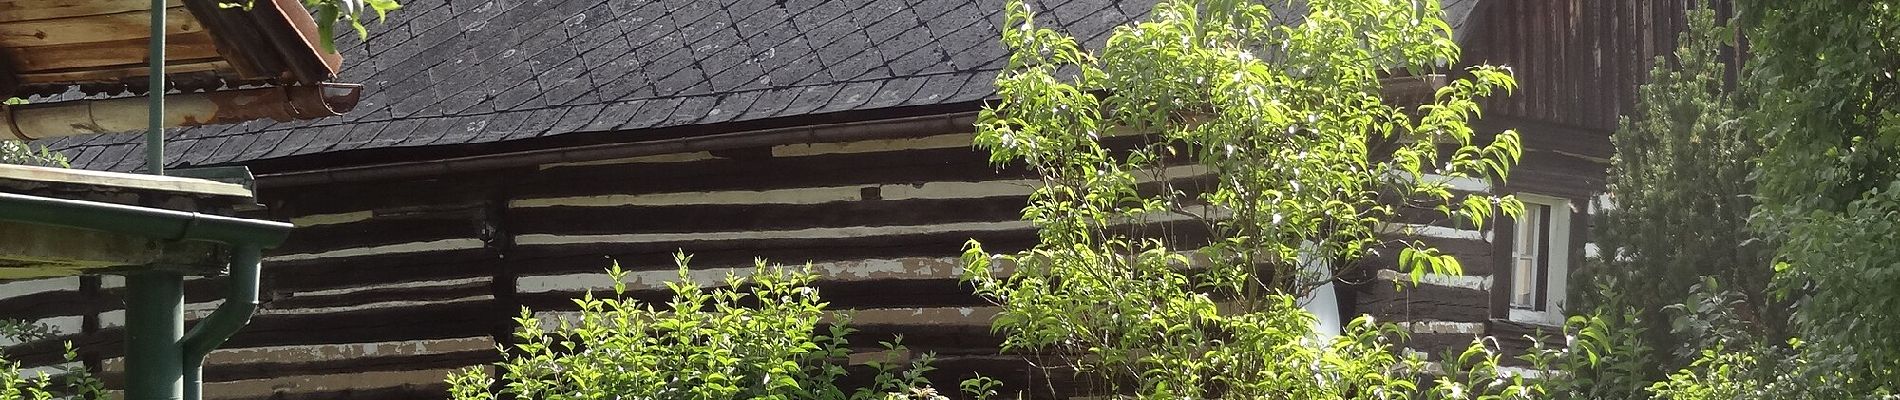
x=181 y=49
x=94 y=28
x=116 y=75
x=27 y=10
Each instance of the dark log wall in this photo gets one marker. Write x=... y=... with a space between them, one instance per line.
x=389 y=286
x=1578 y=62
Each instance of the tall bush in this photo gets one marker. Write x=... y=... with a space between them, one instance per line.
x=1829 y=179
x=1288 y=120
x=1682 y=198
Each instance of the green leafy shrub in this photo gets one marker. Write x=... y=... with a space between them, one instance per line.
x=14 y=152
x=1829 y=178
x=1680 y=180
x=1308 y=165
x=756 y=337
x=64 y=383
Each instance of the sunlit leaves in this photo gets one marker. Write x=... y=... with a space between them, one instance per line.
x=763 y=335
x=1265 y=130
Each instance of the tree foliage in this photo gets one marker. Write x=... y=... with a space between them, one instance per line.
x=1288 y=118
x=1830 y=177
x=1682 y=197
x=330 y=13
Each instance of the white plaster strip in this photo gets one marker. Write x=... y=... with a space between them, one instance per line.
x=367 y=306
x=1430 y=327
x=1456 y=281
x=854 y=270
x=397 y=285
x=1433 y=231
x=37 y=286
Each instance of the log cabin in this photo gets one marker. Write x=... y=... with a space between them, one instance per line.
x=506 y=151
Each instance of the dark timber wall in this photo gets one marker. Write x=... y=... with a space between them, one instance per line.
x=388 y=286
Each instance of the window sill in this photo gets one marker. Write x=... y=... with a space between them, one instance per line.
x=1549 y=319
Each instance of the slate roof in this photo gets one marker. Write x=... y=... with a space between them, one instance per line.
x=446 y=72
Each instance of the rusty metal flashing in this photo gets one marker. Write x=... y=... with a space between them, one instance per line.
x=266 y=41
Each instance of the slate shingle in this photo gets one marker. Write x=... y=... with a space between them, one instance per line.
x=478 y=71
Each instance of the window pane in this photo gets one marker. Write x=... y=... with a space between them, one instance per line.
x=1524 y=273
x=1528 y=230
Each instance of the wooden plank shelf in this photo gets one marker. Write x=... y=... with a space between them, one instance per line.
x=34 y=251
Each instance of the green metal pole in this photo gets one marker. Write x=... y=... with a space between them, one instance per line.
x=155 y=300
x=155 y=94
x=154 y=321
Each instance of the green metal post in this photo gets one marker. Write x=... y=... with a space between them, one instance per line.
x=155 y=300
x=155 y=94
x=154 y=321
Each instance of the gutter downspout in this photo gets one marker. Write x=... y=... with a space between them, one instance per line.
x=176 y=359
x=246 y=260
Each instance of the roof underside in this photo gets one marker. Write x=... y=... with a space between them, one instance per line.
x=53 y=50
x=483 y=71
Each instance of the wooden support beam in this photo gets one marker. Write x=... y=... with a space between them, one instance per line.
x=181 y=49
x=93 y=28
x=114 y=75
x=28 y=10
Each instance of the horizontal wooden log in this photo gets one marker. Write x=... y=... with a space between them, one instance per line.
x=1437 y=302
x=1473 y=255
x=1557 y=174
x=27 y=10
x=93 y=28
x=387 y=198
x=931 y=165
x=380 y=385
x=683 y=219
x=115 y=75
x=920 y=241
x=187 y=48
x=47 y=304
x=228 y=372
x=357 y=271
x=387 y=229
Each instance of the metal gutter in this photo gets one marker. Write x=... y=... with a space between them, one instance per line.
x=126 y=114
x=142 y=221
x=162 y=360
x=842 y=132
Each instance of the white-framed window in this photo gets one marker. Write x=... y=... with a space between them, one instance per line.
x=1540 y=260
